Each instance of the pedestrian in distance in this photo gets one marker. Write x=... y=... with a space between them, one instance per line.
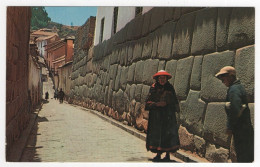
x=61 y=95
x=162 y=103
x=55 y=94
x=238 y=115
x=46 y=95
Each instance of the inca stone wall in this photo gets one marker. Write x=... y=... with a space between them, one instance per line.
x=17 y=42
x=190 y=43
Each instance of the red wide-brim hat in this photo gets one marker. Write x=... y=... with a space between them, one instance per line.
x=162 y=72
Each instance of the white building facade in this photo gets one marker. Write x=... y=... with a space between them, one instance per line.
x=110 y=20
x=40 y=44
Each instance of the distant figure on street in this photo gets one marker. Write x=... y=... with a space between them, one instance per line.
x=55 y=94
x=46 y=95
x=162 y=103
x=61 y=95
x=238 y=115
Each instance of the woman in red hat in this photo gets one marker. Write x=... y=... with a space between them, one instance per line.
x=162 y=103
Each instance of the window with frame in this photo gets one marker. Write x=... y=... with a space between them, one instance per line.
x=101 y=30
x=138 y=11
x=115 y=16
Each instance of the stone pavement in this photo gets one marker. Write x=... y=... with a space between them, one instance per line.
x=66 y=133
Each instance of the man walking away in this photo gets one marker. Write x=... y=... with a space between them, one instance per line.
x=61 y=95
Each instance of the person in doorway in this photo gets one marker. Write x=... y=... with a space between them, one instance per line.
x=162 y=103
x=238 y=115
x=61 y=95
x=46 y=95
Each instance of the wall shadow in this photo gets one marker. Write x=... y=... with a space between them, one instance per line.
x=30 y=153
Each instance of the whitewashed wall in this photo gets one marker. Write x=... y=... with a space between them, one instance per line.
x=107 y=13
x=40 y=45
x=125 y=15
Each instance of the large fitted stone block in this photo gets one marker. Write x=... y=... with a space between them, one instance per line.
x=186 y=139
x=157 y=18
x=135 y=28
x=147 y=47
x=156 y=34
x=212 y=88
x=120 y=101
x=245 y=68
x=146 y=23
x=118 y=76
x=171 y=67
x=130 y=51
x=137 y=53
x=215 y=124
x=242 y=27
x=106 y=96
x=89 y=67
x=113 y=71
x=139 y=69
x=109 y=46
x=114 y=57
x=214 y=154
x=88 y=80
x=183 y=36
x=165 y=40
x=252 y=113
x=121 y=35
x=195 y=82
x=110 y=93
x=177 y=14
x=132 y=92
x=127 y=90
x=222 y=28
x=123 y=55
x=106 y=63
x=182 y=78
x=161 y=65
x=186 y=10
x=99 y=94
x=150 y=68
x=169 y=13
x=138 y=92
x=131 y=73
x=203 y=40
x=145 y=92
x=192 y=113
x=123 y=78
x=200 y=145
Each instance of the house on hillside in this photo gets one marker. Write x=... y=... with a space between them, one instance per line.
x=110 y=20
x=58 y=54
x=42 y=38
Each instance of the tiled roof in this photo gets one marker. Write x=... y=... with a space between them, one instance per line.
x=45 y=37
x=55 y=45
x=43 y=33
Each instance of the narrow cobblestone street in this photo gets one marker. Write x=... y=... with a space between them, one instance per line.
x=66 y=133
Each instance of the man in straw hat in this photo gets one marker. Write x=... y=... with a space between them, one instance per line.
x=238 y=115
x=162 y=103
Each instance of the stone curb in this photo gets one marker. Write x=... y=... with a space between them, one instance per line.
x=181 y=155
